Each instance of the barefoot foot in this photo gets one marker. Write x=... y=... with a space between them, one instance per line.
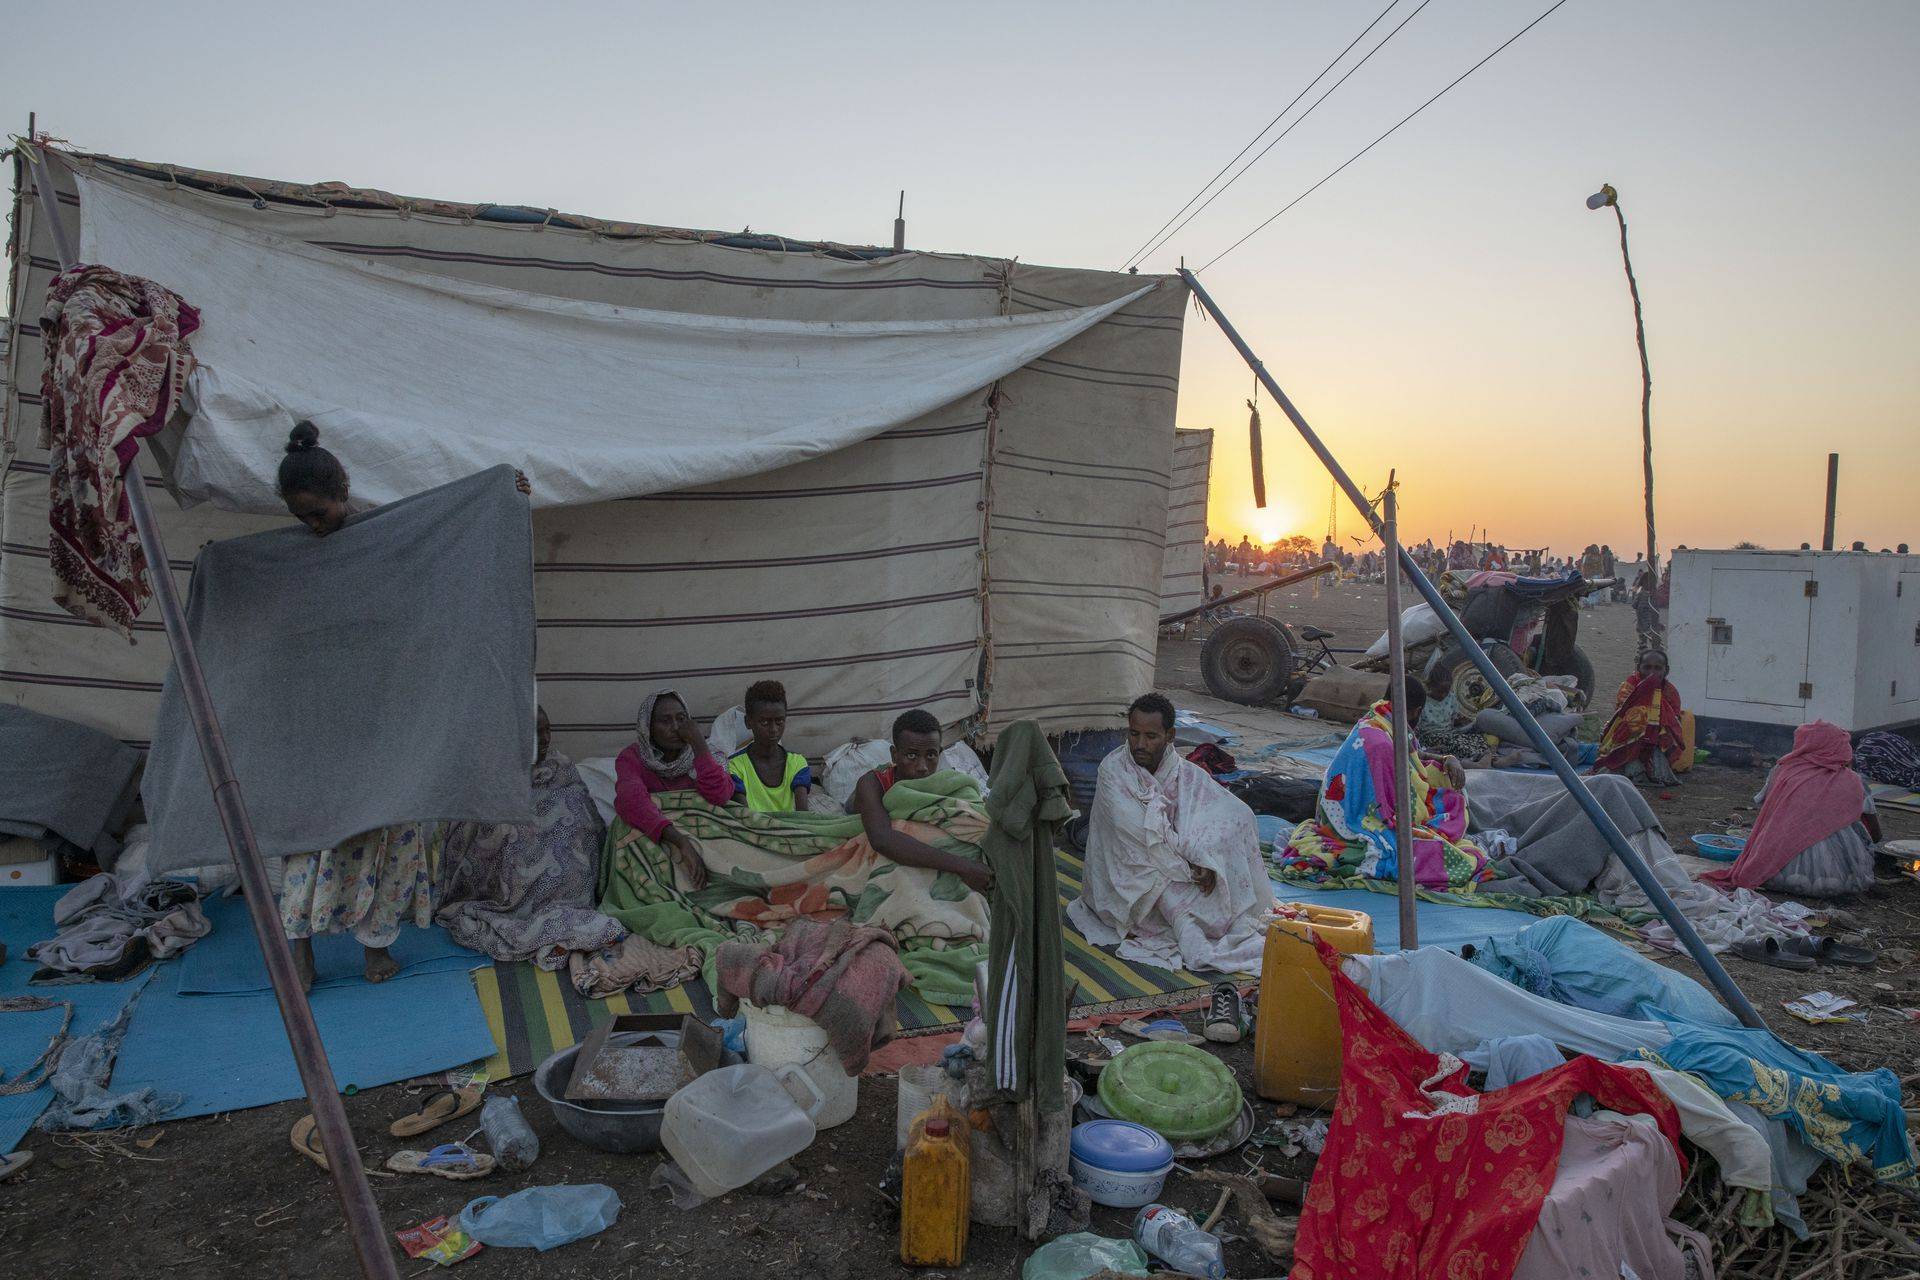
x=303 y=962
x=380 y=964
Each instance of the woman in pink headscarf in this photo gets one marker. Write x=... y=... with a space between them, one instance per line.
x=1816 y=829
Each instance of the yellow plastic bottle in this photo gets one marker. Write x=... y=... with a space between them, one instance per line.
x=1297 y=1043
x=936 y=1189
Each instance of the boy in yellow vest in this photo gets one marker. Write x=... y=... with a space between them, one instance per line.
x=775 y=779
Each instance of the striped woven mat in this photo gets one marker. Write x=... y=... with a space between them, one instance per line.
x=533 y=1013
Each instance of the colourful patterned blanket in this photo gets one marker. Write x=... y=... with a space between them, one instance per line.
x=1353 y=831
x=765 y=870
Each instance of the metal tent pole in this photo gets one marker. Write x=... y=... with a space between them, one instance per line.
x=1397 y=694
x=309 y=1054
x=1589 y=804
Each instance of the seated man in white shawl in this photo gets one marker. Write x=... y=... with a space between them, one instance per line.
x=1174 y=874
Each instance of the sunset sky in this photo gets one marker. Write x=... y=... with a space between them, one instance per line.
x=1446 y=306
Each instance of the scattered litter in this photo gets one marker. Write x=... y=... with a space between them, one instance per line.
x=514 y=1144
x=679 y=1188
x=1291 y=1137
x=1824 y=1006
x=439 y=1241
x=1082 y=1254
x=541 y=1218
x=1113 y=1047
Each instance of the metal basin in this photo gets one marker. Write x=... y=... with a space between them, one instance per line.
x=622 y=1128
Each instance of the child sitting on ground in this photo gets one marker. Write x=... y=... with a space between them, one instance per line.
x=775 y=780
x=916 y=755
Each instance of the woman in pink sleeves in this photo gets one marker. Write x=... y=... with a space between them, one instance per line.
x=669 y=754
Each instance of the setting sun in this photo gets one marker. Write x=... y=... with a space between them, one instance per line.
x=1269 y=525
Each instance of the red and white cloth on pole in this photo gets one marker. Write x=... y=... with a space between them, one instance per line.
x=1421 y=1176
x=116 y=366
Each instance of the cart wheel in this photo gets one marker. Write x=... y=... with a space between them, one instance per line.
x=1471 y=692
x=1248 y=660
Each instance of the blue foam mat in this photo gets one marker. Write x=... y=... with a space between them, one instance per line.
x=1442 y=924
x=228 y=961
x=227 y=1052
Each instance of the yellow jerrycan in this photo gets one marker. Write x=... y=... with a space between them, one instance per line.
x=1297 y=1040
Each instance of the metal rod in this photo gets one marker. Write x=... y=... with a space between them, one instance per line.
x=1284 y=580
x=364 y=1228
x=1588 y=802
x=1833 y=497
x=1402 y=731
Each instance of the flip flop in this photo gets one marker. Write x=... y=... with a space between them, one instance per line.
x=455 y=1160
x=1768 y=951
x=306 y=1140
x=1824 y=950
x=14 y=1163
x=448 y=1104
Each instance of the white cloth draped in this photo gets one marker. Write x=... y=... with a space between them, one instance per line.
x=1147 y=834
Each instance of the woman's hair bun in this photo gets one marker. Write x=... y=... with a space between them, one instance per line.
x=303 y=436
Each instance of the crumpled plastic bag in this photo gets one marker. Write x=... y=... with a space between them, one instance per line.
x=541 y=1218
x=1083 y=1254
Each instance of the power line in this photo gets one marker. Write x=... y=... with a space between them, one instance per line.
x=1143 y=249
x=1383 y=137
x=1334 y=88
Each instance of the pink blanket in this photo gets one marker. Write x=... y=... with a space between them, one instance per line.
x=1812 y=794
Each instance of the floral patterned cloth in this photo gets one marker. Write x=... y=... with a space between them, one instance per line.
x=525 y=891
x=1353 y=832
x=1424 y=1179
x=369 y=886
x=116 y=366
x=1852 y=1117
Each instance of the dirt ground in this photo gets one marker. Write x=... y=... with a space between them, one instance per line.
x=225 y=1195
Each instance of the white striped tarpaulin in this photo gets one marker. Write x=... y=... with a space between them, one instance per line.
x=1182 y=569
x=1015 y=534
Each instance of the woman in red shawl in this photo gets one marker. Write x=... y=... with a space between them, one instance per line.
x=1646 y=740
x=1816 y=829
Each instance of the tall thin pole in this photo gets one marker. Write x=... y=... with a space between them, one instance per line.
x=1402 y=731
x=1589 y=804
x=1833 y=498
x=309 y=1053
x=1646 y=389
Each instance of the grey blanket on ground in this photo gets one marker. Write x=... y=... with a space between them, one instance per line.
x=379 y=675
x=63 y=779
x=1557 y=850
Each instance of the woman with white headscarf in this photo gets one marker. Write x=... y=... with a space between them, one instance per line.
x=669 y=753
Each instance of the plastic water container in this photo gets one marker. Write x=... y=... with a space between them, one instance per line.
x=1296 y=1044
x=920 y=1088
x=732 y=1125
x=936 y=1187
x=1119 y=1163
x=1175 y=1239
x=509 y=1136
x=778 y=1037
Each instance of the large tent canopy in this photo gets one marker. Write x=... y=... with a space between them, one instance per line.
x=889 y=480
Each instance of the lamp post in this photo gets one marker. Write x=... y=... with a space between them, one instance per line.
x=1607 y=198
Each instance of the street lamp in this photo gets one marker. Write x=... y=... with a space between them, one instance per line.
x=1607 y=198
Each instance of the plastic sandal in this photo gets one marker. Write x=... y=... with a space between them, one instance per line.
x=14 y=1163
x=448 y=1104
x=1769 y=951
x=1825 y=950
x=455 y=1160
x=306 y=1140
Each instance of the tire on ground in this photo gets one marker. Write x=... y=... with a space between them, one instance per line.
x=1471 y=692
x=1248 y=660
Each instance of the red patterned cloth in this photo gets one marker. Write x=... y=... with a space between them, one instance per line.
x=116 y=365
x=1424 y=1179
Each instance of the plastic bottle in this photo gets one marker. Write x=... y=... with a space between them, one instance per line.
x=936 y=1185
x=1178 y=1241
x=509 y=1135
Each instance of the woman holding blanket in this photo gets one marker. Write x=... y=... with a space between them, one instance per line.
x=1649 y=737
x=373 y=883
x=669 y=754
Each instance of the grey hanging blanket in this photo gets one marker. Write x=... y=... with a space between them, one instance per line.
x=382 y=674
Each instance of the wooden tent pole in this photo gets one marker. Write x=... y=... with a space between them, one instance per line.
x=1402 y=731
x=364 y=1228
